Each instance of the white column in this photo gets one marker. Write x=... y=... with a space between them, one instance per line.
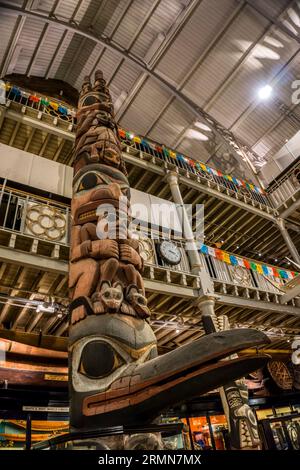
x=289 y=243
x=207 y=285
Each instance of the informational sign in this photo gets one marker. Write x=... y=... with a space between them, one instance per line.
x=47 y=409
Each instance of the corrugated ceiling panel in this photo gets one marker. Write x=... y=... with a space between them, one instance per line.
x=124 y=79
x=266 y=113
x=28 y=40
x=58 y=60
x=66 y=151
x=194 y=149
x=131 y=21
x=145 y=107
x=108 y=63
x=263 y=63
x=275 y=139
x=273 y=7
x=66 y=55
x=44 y=6
x=65 y=9
x=87 y=12
x=243 y=32
x=172 y=123
x=200 y=30
x=7 y=24
x=47 y=50
x=110 y=15
x=161 y=20
x=258 y=122
x=90 y=53
x=17 y=3
x=81 y=65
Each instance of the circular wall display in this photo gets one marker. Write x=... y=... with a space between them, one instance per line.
x=170 y=252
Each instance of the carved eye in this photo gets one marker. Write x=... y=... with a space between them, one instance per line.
x=98 y=359
x=89 y=181
x=106 y=294
x=89 y=100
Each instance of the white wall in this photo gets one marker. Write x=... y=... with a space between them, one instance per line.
x=41 y=173
x=35 y=171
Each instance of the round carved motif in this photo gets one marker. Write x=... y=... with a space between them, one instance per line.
x=146 y=250
x=241 y=276
x=46 y=222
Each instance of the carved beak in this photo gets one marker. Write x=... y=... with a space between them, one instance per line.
x=189 y=371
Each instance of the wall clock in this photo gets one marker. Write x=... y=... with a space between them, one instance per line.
x=170 y=252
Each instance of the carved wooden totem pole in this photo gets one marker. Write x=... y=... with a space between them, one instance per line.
x=115 y=375
x=242 y=423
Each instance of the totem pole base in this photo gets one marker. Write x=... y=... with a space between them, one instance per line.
x=148 y=437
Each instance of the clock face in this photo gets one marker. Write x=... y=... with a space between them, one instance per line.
x=170 y=252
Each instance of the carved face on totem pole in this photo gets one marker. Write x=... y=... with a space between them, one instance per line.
x=115 y=377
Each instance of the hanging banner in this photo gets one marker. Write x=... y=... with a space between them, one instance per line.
x=189 y=161
x=248 y=264
x=64 y=112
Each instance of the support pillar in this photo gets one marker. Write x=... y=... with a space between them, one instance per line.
x=289 y=242
x=242 y=423
x=193 y=254
x=2 y=115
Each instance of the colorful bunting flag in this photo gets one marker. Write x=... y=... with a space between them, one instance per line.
x=245 y=263
x=14 y=90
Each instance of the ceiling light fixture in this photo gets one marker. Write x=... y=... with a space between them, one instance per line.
x=265 y=92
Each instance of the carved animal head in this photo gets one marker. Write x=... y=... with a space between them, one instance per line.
x=111 y=296
x=138 y=301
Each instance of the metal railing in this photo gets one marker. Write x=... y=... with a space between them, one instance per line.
x=284 y=188
x=43 y=105
x=35 y=217
x=181 y=164
x=46 y=220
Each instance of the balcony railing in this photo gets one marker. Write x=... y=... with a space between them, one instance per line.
x=158 y=153
x=34 y=217
x=42 y=104
x=285 y=187
x=48 y=221
x=219 y=182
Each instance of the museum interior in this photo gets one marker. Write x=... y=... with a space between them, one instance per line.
x=150 y=224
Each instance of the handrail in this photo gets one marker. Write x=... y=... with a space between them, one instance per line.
x=158 y=151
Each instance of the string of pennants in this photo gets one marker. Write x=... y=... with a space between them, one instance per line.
x=246 y=263
x=193 y=163
x=50 y=104
x=66 y=112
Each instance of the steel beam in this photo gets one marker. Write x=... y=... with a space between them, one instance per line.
x=39 y=124
x=231 y=200
x=29 y=260
x=258 y=305
x=287 y=212
x=170 y=289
